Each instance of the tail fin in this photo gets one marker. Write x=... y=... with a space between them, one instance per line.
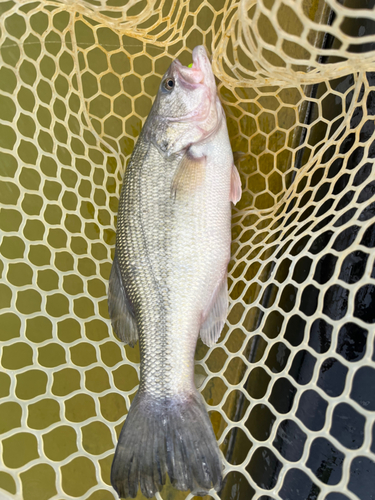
x=169 y=435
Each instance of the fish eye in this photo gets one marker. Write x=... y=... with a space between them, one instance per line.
x=169 y=84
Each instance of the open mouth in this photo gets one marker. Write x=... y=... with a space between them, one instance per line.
x=200 y=71
x=197 y=73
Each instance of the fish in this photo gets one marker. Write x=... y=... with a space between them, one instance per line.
x=168 y=281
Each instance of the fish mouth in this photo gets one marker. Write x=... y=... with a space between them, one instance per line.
x=201 y=71
x=198 y=75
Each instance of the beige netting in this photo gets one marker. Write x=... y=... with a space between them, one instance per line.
x=290 y=385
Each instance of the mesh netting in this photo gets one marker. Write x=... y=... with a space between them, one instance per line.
x=290 y=384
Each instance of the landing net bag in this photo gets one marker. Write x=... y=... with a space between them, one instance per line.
x=290 y=386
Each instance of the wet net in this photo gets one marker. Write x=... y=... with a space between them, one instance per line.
x=290 y=386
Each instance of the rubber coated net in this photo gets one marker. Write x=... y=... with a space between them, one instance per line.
x=291 y=383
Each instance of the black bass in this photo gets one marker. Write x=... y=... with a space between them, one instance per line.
x=168 y=282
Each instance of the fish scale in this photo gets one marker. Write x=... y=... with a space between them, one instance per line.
x=146 y=242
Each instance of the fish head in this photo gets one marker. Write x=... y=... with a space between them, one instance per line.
x=187 y=109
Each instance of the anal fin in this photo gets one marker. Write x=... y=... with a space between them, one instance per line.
x=119 y=308
x=218 y=310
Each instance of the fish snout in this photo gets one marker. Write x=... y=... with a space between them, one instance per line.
x=200 y=72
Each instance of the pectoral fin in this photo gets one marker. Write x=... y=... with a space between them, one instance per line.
x=189 y=175
x=235 y=187
x=218 y=310
x=119 y=308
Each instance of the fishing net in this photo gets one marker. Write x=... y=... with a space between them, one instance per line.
x=290 y=384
